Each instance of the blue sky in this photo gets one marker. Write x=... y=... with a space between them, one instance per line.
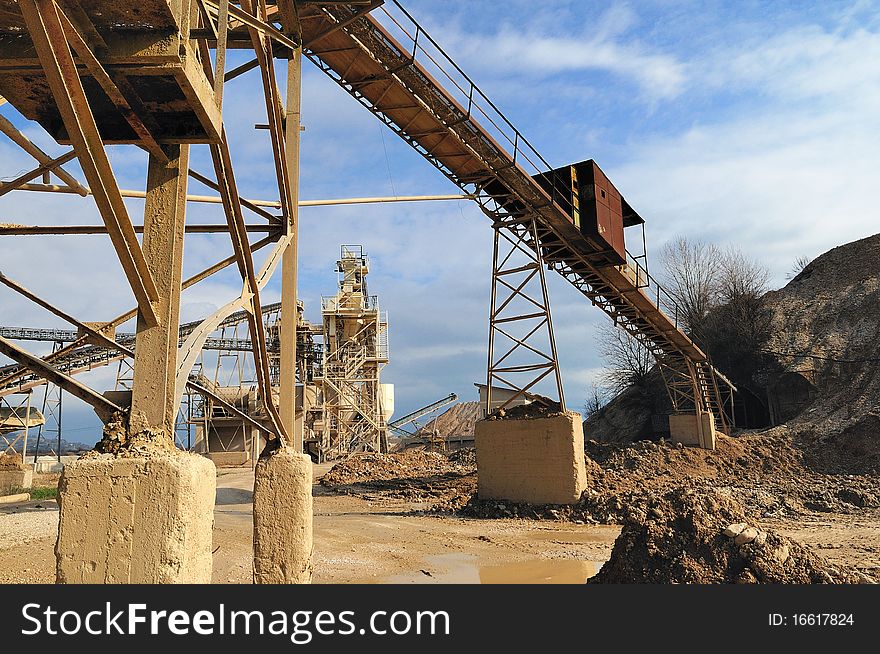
x=743 y=123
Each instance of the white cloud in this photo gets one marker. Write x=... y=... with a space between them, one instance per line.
x=805 y=63
x=514 y=51
x=793 y=173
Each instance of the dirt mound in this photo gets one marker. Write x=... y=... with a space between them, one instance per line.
x=703 y=537
x=542 y=408
x=766 y=473
x=370 y=467
x=624 y=419
x=413 y=474
x=827 y=332
x=457 y=421
x=11 y=462
x=817 y=377
x=466 y=457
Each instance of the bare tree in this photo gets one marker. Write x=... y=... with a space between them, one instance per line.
x=720 y=298
x=627 y=361
x=597 y=397
x=736 y=330
x=799 y=264
x=740 y=277
x=692 y=273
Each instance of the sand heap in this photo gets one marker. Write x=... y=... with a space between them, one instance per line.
x=830 y=315
x=413 y=474
x=457 y=421
x=704 y=537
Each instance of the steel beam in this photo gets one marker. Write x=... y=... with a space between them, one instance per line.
x=69 y=349
x=110 y=87
x=192 y=346
x=287 y=365
x=198 y=388
x=255 y=23
x=25 y=144
x=520 y=304
x=251 y=204
x=83 y=327
x=74 y=230
x=47 y=33
x=252 y=288
x=102 y=406
x=42 y=169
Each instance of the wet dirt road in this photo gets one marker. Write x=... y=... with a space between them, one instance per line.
x=357 y=540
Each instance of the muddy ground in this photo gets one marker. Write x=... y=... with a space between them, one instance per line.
x=776 y=482
x=413 y=517
x=369 y=538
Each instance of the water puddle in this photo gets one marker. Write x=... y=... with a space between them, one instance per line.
x=467 y=569
x=540 y=571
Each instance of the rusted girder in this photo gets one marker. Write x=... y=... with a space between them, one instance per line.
x=102 y=406
x=274 y=109
x=25 y=144
x=11 y=377
x=198 y=388
x=121 y=100
x=83 y=327
x=48 y=166
x=253 y=22
x=47 y=33
x=251 y=292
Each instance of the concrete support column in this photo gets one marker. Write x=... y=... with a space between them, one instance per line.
x=693 y=429
x=136 y=519
x=155 y=361
x=283 y=518
x=145 y=514
x=534 y=460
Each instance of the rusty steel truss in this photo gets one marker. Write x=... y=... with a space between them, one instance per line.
x=155 y=76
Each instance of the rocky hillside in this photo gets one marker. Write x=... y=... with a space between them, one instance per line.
x=827 y=331
x=822 y=380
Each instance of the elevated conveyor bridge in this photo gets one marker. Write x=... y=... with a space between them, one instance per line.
x=145 y=77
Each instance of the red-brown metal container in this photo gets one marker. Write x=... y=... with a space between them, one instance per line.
x=601 y=208
x=596 y=207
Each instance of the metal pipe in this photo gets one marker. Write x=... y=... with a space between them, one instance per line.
x=273 y=204
x=72 y=230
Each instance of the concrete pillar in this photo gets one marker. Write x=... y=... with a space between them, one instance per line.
x=145 y=514
x=283 y=518
x=534 y=460
x=144 y=518
x=155 y=361
x=692 y=429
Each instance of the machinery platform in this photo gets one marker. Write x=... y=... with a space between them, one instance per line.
x=144 y=47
